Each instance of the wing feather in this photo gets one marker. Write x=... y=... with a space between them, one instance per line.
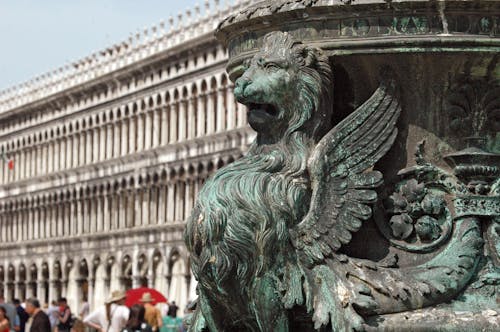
x=343 y=186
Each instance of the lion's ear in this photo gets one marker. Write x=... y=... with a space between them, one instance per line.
x=310 y=56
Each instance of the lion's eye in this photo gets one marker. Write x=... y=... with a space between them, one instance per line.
x=272 y=66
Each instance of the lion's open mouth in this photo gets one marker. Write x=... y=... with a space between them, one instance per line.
x=264 y=109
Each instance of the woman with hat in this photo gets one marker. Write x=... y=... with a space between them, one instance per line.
x=153 y=314
x=112 y=316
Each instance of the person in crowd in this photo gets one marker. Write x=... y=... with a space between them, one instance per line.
x=136 y=321
x=4 y=320
x=153 y=314
x=11 y=314
x=39 y=321
x=22 y=314
x=112 y=316
x=172 y=309
x=64 y=316
x=84 y=311
x=52 y=312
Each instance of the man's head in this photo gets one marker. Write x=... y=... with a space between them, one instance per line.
x=2 y=299
x=16 y=302
x=63 y=302
x=32 y=305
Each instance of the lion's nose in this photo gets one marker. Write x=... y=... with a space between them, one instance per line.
x=239 y=87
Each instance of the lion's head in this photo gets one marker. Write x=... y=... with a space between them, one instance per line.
x=287 y=88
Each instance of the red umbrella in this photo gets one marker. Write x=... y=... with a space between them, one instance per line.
x=134 y=296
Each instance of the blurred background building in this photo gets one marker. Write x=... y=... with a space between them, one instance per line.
x=102 y=160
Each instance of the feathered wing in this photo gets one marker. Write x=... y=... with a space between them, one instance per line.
x=342 y=184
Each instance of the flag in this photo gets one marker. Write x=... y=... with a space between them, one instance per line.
x=10 y=162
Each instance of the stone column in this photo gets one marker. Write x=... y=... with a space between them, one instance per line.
x=30 y=223
x=116 y=209
x=164 y=125
x=242 y=117
x=132 y=134
x=111 y=129
x=120 y=216
x=171 y=202
x=73 y=204
x=40 y=290
x=145 y=205
x=200 y=115
x=221 y=109
x=88 y=149
x=131 y=208
x=161 y=203
x=210 y=113
x=182 y=120
x=53 y=290
x=173 y=122
x=117 y=139
x=191 y=122
x=153 y=204
x=148 y=129
x=108 y=211
x=81 y=148
x=99 y=213
x=69 y=152
x=156 y=127
x=140 y=132
x=124 y=137
x=94 y=147
x=103 y=145
x=230 y=106
x=138 y=208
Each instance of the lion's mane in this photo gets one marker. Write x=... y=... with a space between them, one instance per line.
x=243 y=212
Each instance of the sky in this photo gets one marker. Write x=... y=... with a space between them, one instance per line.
x=37 y=36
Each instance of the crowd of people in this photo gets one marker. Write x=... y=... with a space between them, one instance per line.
x=112 y=316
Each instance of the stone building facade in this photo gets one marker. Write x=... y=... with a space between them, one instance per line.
x=107 y=155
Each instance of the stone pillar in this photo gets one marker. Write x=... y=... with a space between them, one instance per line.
x=145 y=205
x=153 y=205
x=230 y=106
x=69 y=152
x=200 y=115
x=161 y=203
x=242 y=117
x=170 y=202
x=164 y=125
x=173 y=122
x=103 y=145
x=140 y=132
x=99 y=213
x=182 y=120
x=53 y=289
x=131 y=208
x=88 y=149
x=221 y=109
x=132 y=134
x=124 y=137
x=81 y=147
x=148 y=129
x=30 y=223
x=191 y=122
x=117 y=139
x=210 y=113
x=156 y=127
x=138 y=208
x=40 y=290
x=107 y=211
x=96 y=144
x=110 y=144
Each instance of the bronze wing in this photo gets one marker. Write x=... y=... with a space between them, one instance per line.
x=341 y=180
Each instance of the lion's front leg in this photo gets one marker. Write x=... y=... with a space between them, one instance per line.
x=269 y=310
